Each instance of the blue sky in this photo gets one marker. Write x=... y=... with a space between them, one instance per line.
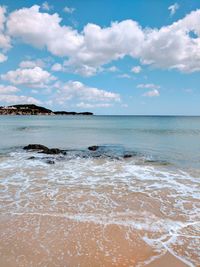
x=139 y=57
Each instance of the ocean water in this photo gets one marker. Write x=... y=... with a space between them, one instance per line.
x=99 y=208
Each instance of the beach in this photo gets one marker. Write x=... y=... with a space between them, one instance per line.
x=133 y=202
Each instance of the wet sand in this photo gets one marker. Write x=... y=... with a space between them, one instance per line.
x=52 y=241
x=98 y=213
x=167 y=260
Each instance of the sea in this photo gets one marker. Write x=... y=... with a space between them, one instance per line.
x=134 y=201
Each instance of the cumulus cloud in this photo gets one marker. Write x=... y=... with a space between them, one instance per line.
x=86 y=51
x=148 y=86
x=170 y=47
x=136 y=69
x=31 y=77
x=152 y=93
x=173 y=8
x=79 y=91
x=43 y=30
x=8 y=89
x=15 y=99
x=29 y=64
x=69 y=10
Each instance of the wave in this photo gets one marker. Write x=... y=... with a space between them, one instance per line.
x=158 y=201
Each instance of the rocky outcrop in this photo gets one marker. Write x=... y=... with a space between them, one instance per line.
x=35 y=147
x=126 y=156
x=93 y=148
x=44 y=149
x=31 y=109
x=28 y=109
x=53 y=155
x=52 y=151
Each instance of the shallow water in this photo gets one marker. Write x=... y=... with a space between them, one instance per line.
x=100 y=211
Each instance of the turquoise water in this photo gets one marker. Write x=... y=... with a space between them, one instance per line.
x=172 y=139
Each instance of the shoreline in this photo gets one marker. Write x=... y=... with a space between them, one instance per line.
x=31 y=109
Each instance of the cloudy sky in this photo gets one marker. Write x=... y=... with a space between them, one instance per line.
x=108 y=56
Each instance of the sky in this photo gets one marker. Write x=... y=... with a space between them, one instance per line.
x=130 y=57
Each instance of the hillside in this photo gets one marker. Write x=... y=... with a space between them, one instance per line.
x=31 y=109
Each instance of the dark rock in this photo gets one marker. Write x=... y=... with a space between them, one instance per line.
x=93 y=148
x=44 y=149
x=35 y=147
x=51 y=151
x=32 y=157
x=49 y=161
x=126 y=156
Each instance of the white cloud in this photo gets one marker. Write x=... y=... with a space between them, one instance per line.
x=57 y=67
x=4 y=41
x=69 y=10
x=136 y=69
x=124 y=75
x=43 y=30
x=8 y=89
x=46 y=6
x=148 y=86
x=3 y=58
x=112 y=69
x=170 y=47
x=88 y=50
x=102 y=45
x=31 y=77
x=15 y=99
x=173 y=8
x=29 y=64
x=152 y=93
x=97 y=105
x=79 y=91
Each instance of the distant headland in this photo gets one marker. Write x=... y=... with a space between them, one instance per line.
x=31 y=109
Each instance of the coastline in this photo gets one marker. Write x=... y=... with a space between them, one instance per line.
x=31 y=109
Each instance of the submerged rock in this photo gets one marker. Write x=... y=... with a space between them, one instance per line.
x=93 y=148
x=105 y=151
x=49 y=161
x=52 y=151
x=31 y=158
x=126 y=156
x=35 y=147
x=44 y=149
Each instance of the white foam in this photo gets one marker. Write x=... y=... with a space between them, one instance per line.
x=159 y=200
